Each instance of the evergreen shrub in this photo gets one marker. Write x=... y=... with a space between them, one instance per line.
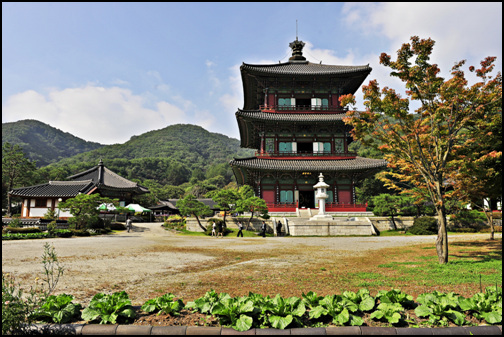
x=21 y=230
x=217 y=221
x=424 y=225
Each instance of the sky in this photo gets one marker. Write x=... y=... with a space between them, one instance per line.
x=105 y=72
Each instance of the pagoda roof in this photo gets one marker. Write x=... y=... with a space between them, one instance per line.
x=258 y=115
x=248 y=120
x=304 y=68
x=357 y=163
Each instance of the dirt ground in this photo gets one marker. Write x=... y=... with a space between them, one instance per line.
x=151 y=261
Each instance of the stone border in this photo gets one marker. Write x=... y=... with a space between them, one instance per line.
x=101 y=329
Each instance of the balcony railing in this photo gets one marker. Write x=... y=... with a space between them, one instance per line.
x=329 y=207
x=301 y=108
x=304 y=154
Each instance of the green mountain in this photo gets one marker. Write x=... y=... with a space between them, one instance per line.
x=169 y=156
x=43 y=143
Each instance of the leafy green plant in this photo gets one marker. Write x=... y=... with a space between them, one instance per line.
x=338 y=307
x=362 y=298
x=109 y=308
x=395 y=296
x=207 y=302
x=233 y=311
x=164 y=303
x=283 y=312
x=311 y=299
x=58 y=309
x=487 y=305
x=391 y=312
x=440 y=308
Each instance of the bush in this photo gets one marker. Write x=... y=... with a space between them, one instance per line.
x=80 y=232
x=424 y=225
x=21 y=230
x=217 y=221
x=467 y=221
x=117 y=226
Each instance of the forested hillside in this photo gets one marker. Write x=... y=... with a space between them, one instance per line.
x=170 y=156
x=43 y=143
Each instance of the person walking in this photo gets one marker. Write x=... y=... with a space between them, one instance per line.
x=240 y=228
x=279 y=228
x=129 y=224
x=214 y=229
x=263 y=229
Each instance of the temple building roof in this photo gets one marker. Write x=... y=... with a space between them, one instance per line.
x=304 y=68
x=357 y=163
x=55 y=189
x=98 y=177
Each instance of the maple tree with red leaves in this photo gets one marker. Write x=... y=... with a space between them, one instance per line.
x=434 y=148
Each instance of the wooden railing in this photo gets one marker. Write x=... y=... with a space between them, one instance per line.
x=330 y=207
x=305 y=154
x=301 y=108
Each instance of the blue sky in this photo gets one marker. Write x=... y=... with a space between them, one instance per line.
x=108 y=71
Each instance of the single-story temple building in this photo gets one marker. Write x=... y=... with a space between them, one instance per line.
x=38 y=199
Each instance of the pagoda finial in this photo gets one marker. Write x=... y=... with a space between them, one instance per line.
x=297 y=48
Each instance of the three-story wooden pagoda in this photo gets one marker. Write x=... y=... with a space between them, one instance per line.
x=293 y=118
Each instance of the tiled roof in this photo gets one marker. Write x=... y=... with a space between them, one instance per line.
x=109 y=179
x=303 y=68
x=289 y=117
x=55 y=189
x=358 y=163
x=98 y=177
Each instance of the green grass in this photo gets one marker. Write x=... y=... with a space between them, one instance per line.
x=459 y=270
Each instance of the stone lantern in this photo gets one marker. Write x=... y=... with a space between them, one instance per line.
x=321 y=196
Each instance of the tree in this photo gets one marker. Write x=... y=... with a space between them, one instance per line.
x=421 y=146
x=16 y=170
x=191 y=206
x=84 y=208
x=391 y=205
x=479 y=176
x=226 y=200
x=248 y=202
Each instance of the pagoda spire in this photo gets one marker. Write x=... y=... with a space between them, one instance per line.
x=297 y=48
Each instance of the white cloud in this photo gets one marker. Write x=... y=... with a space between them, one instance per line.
x=104 y=115
x=462 y=30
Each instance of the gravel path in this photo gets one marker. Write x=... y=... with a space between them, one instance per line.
x=149 y=255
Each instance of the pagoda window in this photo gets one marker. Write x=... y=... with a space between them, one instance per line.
x=319 y=147
x=286 y=103
x=319 y=103
x=287 y=147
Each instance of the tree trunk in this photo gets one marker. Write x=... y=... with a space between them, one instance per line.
x=249 y=221
x=442 y=239
x=199 y=223
x=489 y=216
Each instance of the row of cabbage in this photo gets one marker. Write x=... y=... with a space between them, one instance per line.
x=258 y=311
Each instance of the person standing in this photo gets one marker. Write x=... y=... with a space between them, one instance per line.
x=279 y=228
x=214 y=229
x=240 y=228
x=129 y=224
x=263 y=229
x=220 y=230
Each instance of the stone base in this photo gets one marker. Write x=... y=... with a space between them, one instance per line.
x=321 y=217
